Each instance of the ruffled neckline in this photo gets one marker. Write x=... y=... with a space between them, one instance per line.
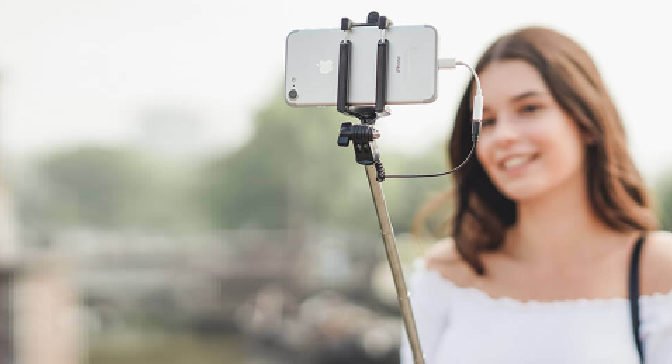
x=476 y=294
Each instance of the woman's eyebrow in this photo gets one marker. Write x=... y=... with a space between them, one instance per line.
x=526 y=94
x=519 y=97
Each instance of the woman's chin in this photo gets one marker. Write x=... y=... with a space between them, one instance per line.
x=521 y=191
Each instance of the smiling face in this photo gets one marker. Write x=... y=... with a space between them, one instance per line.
x=528 y=144
x=537 y=149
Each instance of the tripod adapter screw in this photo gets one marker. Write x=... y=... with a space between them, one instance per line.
x=357 y=133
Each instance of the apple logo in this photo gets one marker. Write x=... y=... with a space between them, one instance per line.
x=326 y=66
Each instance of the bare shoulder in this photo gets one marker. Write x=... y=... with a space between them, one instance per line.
x=442 y=252
x=656 y=263
x=444 y=258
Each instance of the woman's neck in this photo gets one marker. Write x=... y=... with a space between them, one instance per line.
x=559 y=229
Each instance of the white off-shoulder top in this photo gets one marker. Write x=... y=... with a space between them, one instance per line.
x=459 y=325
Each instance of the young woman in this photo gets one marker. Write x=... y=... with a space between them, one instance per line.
x=546 y=221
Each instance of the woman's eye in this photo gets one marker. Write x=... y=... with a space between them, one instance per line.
x=488 y=122
x=528 y=109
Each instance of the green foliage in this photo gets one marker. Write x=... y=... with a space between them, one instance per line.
x=292 y=174
x=664 y=203
x=93 y=184
x=284 y=176
x=105 y=188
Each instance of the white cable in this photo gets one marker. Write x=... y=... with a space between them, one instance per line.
x=451 y=63
x=478 y=81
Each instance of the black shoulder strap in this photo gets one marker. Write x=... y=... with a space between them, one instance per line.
x=633 y=293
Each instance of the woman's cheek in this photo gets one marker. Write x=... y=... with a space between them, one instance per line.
x=490 y=168
x=484 y=151
x=486 y=162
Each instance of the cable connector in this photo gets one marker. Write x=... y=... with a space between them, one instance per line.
x=478 y=105
x=447 y=63
x=475 y=130
x=452 y=63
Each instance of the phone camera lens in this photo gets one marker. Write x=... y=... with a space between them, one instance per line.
x=293 y=94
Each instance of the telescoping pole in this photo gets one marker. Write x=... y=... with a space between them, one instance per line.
x=395 y=264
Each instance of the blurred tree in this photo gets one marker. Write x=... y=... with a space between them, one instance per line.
x=286 y=174
x=106 y=188
x=664 y=200
x=292 y=174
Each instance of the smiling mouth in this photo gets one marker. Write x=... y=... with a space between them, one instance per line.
x=517 y=162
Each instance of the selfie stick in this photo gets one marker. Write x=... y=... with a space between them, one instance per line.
x=364 y=137
x=366 y=153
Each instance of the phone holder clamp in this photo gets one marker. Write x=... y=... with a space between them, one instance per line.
x=366 y=152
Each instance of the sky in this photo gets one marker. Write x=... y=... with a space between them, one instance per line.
x=94 y=71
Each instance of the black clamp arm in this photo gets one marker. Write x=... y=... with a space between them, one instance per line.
x=383 y=23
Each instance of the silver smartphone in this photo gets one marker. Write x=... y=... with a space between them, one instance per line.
x=311 y=65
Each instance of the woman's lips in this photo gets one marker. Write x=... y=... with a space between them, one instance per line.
x=516 y=163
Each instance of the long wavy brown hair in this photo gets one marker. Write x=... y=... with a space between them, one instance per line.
x=617 y=194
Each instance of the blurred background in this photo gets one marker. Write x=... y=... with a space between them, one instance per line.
x=159 y=202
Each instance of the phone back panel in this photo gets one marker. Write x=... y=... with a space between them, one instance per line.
x=311 y=65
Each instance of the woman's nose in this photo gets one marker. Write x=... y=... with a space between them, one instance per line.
x=504 y=131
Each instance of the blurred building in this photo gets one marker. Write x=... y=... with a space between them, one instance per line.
x=309 y=302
